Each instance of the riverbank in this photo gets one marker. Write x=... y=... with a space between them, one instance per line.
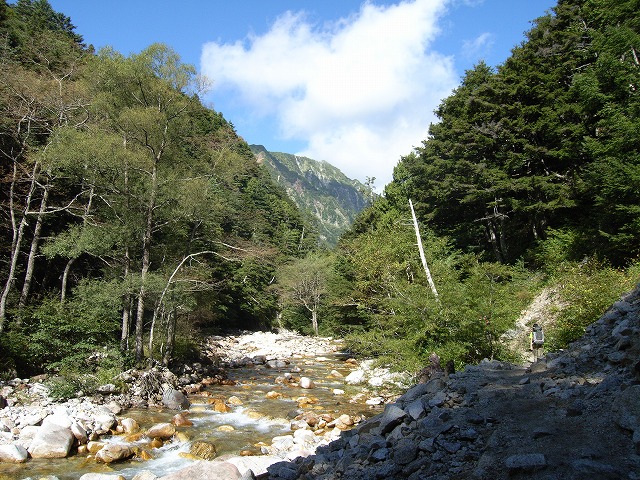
x=34 y=426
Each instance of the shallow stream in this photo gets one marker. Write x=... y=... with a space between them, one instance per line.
x=245 y=427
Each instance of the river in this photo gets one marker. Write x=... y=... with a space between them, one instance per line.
x=251 y=422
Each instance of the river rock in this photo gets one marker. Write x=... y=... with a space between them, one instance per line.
x=175 y=400
x=145 y=475
x=102 y=476
x=179 y=420
x=203 y=450
x=307 y=383
x=51 y=441
x=129 y=425
x=163 y=431
x=355 y=378
x=205 y=470
x=113 y=452
x=79 y=432
x=13 y=454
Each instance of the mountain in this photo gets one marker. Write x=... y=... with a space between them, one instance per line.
x=319 y=189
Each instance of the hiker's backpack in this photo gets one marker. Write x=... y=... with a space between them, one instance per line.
x=538 y=337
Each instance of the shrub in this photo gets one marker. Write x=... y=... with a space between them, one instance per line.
x=589 y=288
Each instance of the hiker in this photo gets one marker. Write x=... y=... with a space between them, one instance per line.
x=537 y=341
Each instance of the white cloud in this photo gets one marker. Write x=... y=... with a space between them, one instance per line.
x=475 y=48
x=360 y=91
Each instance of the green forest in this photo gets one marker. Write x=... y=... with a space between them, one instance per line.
x=135 y=221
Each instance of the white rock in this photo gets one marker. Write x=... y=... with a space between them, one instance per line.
x=13 y=454
x=102 y=476
x=79 y=432
x=355 y=378
x=303 y=436
x=376 y=381
x=59 y=417
x=51 y=441
x=306 y=382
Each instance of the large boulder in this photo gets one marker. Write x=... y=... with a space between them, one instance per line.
x=204 y=470
x=114 y=452
x=163 y=431
x=51 y=441
x=175 y=400
x=13 y=454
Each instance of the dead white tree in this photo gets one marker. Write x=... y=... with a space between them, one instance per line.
x=421 y=250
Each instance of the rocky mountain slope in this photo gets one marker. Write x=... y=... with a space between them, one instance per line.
x=319 y=189
x=574 y=414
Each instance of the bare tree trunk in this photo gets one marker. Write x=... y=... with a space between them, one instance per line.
x=35 y=242
x=493 y=239
x=126 y=323
x=18 y=235
x=65 y=277
x=314 y=320
x=158 y=312
x=146 y=262
x=421 y=250
x=140 y=307
x=85 y=220
x=126 y=306
x=171 y=337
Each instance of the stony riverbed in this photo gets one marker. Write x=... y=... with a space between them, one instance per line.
x=264 y=397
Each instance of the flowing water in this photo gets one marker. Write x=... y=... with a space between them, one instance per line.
x=256 y=421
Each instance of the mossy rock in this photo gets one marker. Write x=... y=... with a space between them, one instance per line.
x=203 y=449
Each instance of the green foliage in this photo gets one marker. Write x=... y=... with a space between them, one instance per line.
x=70 y=385
x=548 y=142
x=588 y=288
x=63 y=335
x=400 y=321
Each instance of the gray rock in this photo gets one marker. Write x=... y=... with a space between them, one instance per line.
x=282 y=470
x=596 y=469
x=526 y=462
x=413 y=394
x=175 y=400
x=405 y=451
x=438 y=399
x=391 y=418
x=416 y=409
x=379 y=455
x=627 y=408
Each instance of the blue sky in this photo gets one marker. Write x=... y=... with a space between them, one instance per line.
x=350 y=82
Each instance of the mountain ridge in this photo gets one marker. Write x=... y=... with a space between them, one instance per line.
x=322 y=191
